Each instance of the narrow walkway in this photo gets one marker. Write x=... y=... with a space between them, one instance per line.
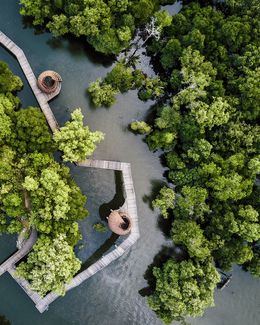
x=129 y=206
x=16 y=257
x=129 y=193
x=27 y=70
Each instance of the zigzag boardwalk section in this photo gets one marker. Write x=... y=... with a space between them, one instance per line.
x=129 y=194
x=27 y=70
x=129 y=206
x=16 y=257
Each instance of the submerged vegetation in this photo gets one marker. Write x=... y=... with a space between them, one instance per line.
x=38 y=192
x=4 y=321
x=100 y=227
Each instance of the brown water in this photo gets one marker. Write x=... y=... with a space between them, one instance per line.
x=112 y=296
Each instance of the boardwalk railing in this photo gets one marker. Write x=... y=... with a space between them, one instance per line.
x=129 y=206
x=129 y=193
x=16 y=257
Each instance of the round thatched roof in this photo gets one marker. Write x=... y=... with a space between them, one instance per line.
x=49 y=81
x=119 y=222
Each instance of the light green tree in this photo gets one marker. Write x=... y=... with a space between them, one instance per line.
x=164 y=201
x=190 y=235
x=8 y=81
x=140 y=127
x=191 y=204
x=51 y=264
x=75 y=140
x=183 y=289
x=102 y=94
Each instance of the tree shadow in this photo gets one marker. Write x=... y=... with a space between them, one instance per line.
x=118 y=199
x=78 y=46
x=99 y=252
x=156 y=186
x=165 y=225
x=28 y=23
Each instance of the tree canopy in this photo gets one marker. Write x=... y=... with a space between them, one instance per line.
x=206 y=124
x=75 y=140
x=50 y=265
x=208 y=130
x=183 y=289
x=38 y=192
x=107 y=25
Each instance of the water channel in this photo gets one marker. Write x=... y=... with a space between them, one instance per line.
x=112 y=296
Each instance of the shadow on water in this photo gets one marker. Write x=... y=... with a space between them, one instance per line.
x=165 y=225
x=28 y=23
x=77 y=46
x=118 y=199
x=99 y=252
x=104 y=211
x=156 y=186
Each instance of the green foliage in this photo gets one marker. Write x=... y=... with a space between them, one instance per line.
x=32 y=132
x=163 y=19
x=171 y=53
x=8 y=81
x=189 y=234
x=234 y=251
x=37 y=192
x=207 y=127
x=107 y=25
x=164 y=201
x=102 y=94
x=253 y=266
x=99 y=227
x=183 y=289
x=75 y=140
x=152 y=88
x=50 y=265
x=191 y=204
x=140 y=127
x=123 y=78
x=120 y=79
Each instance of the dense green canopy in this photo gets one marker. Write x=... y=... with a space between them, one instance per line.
x=108 y=25
x=36 y=191
x=206 y=124
x=50 y=265
x=208 y=129
x=183 y=289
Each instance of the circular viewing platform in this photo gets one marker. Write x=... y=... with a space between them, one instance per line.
x=119 y=222
x=50 y=83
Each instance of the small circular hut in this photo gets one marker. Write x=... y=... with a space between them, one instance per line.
x=49 y=82
x=119 y=222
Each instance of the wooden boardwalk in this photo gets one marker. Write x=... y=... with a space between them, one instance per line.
x=16 y=257
x=128 y=187
x=129 y=206
x=27 y=70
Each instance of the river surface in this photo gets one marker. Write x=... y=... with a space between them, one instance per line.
x=112 y=296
